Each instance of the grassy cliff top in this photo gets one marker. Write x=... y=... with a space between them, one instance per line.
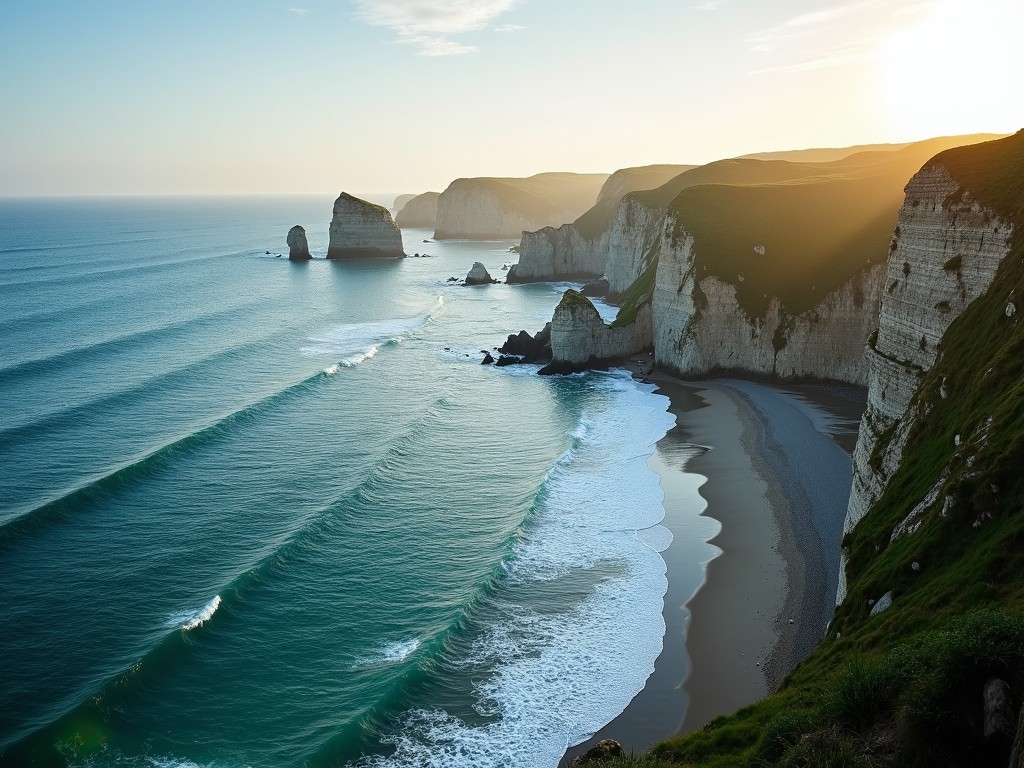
x=625 y=180
x=797 y=230
x=903 y=688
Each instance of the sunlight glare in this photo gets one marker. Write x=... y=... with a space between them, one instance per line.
x=957 y=70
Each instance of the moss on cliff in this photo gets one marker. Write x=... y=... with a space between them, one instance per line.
x=636 y=296
x=903 y=687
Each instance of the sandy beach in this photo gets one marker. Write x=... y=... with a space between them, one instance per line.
x=750 y=589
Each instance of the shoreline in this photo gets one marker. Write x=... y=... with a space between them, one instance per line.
x=731 y=639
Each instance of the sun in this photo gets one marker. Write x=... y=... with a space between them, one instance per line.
x=956 y=69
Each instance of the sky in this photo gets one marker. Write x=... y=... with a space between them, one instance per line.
x=317 y=96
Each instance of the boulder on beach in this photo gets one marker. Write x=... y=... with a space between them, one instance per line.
x=606 y=749
x=479 y=275
x=298 y=248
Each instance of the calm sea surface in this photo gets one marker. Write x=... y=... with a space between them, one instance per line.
x=270 y=514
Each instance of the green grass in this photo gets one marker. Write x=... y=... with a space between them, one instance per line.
x=636 y=296
x=915 y=671
x=598 y=219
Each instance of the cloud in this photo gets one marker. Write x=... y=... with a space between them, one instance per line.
x=299 y=11
x=429 y=25
x=832 y=37
x=509 y=28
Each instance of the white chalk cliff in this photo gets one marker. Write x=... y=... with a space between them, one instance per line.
x=579 y=335
x=945 y=253
x=503 y=208
x=362 y=230
x=421 y=211
x=700 y=327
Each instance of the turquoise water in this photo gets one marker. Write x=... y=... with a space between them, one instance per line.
x=268 y=514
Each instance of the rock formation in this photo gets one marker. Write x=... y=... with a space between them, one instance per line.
x=400 y=203
x=298 y=248
x=581 y=339
x=493 y=208
x=945 y=253
x=362 y=230
x=419 y=212
x=581 y=250
x=479 y=275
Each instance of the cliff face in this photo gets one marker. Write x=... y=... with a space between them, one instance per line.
x=700 y=326
x=944 y=255
x=420 y=211
x=634 y=241
x=584 y=248
x=579 y=336
x=563 y=253
x=362 y=230
x=493 y=208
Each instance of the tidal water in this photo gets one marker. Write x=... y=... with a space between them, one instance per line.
x=255 y=513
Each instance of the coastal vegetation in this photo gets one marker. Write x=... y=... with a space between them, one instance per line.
x=903 y=685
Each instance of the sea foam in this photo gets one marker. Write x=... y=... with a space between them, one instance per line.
x=189 y=620
x=352 y=343
x=550 y=680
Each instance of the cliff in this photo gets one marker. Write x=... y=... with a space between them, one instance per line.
x=502 y=208
x=400 y=202
x=945 y=252
x=923 y=662
x=362 y=230
x=420 y=211
x=580 y=249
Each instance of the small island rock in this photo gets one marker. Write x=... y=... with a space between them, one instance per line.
x=298 y=248
x=479 y=275
x=362 y=230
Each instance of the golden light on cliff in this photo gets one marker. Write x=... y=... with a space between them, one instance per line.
x=957 y=69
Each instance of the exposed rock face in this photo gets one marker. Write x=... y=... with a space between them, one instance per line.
x=479 y=275
x=581 y=250
x=400 y=202
x=298 y=248
x=634 y=240
x=491 y=208
x=606 y=749
x=700 y=327
x=420 y=211
x=561 y=253
x=362 y=230
x=579 y=337
x=944 y=255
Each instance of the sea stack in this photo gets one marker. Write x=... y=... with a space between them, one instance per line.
x=362 y=230
x=479 y=275
x=298 y=248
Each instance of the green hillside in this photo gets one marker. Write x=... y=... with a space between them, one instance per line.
x=619 y=184
x=904 y=687
x=796 y=230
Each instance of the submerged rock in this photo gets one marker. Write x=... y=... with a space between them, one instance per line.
x=479 y=275
x=362 y=230
x=298 y=248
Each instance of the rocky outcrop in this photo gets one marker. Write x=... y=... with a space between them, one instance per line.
x=362 y=230
x=493 y=208
x=298 y=248
x=606 y=749
x=945 y=253
x=580 y=338
x=701 y=328
x=479 y=275
x=559 y=253
x=420 y=212
x=523 y=348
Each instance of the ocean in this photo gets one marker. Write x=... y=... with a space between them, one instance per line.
x=256 y=513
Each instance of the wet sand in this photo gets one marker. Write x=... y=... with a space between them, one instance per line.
x=748 y=556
